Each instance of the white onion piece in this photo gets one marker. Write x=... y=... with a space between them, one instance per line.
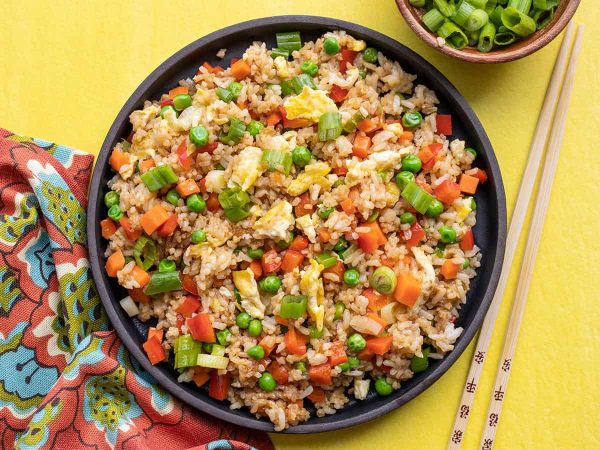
x=389 y=311
x=129 y=306
x=366 y=325
x=306 y=392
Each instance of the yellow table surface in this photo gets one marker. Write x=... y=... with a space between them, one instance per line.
x=67 y=67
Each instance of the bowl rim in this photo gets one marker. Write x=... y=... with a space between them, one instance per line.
x=95 y=238
x=510 y=54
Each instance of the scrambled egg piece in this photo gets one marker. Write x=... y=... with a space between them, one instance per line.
x=463 y=208
x=306 y=223
x=245 y=168
x=246 y=284
x=392 y=194
x=428 y=276
x=309 y=104
x=357 y=170
x=352 y=76
x=140 y=118
x=282 y=67
x=189 y=117
x=197 y=251
x=215 y=181
x=356 y=44
x=386 y=159
x=311 y=285
x=395 y=128
x=276 y=222
x=313 y=174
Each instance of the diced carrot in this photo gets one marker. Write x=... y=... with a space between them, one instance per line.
x=369 y=240
x=240 y=69
x=295 y=342
x=337 y=93
x=467 y=242
x=154 y=350
x=118 y=159
x=406 y=136
x=271 y=261
x=449 y=270
x=417 y=234
x=292 y=123
x=368 y=125
x=376 y=300
x=108 y=228
x=299 y=243
x=338 y=270
x=299 y=403
x=153 y=219
x=424 y=185
x=211 y=69
x=340 y=171
x=279 y=372
x=447 y=192
x=324 y=234
x=189 y=285
x=425 y=154
x=380 y=345
x=169 y=227
x=281 y=321
x=233 y=61
x=468 y=184
x=218 y=386
x=444 y=124
x=201 y=327
x=155 y=332
x=188 y=306
x=273 y=119
x=361 y=145
x=478 y=173
x=267 y=345
x=140 y=275
x=408 y=288
x=365 y=355
x=146 y=165
x=185 y=158
x=291 y=260
x=187 y=188
x=388 y=262
x=138 y=295
x=201 y=376
x=320 y=373
x=212 y=202
x=179 y=90
x=338 y=353
x=256 y=268
x=376 y=318
x=114 y=263
x=406 y=260
x=348 y=206
x=304 y=206
x=317 y=395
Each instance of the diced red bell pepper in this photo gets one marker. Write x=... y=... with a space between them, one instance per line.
x=304 y=206
x=416 y=236
x=154 y=350
x=201 y=328
x=279 y=372
x=291 y=123
x=299 y=243
x=369 y=241
x=447 y=192
x=348 y=57
x=340 y=171
x=478 y=173
x=131 y=233
x=271 y=261
x=189 y=284
x=189 y=306
x=338 y=353
x=337 y=93
x=219 y=385
x=185 y=159
x=166 y=101
x=320 y=374
x=468 y=241
x=208 y=148
x=444 y=124
x=317 y=395
x=169 y=227
x=212 y=202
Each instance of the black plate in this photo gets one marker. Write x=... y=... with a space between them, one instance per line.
x=490 y=232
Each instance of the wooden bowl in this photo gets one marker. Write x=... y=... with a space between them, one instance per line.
x=519 y=49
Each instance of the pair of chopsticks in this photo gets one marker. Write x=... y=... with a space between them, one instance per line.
x=560 y=87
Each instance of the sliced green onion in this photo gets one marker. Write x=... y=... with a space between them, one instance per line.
x=158 y=177
x=293 y=306
x=186 y=351
x=504 y=38
x=417 y=197
x=212 y=361
x=289 y=40
x=233 y=198
x=545 y=5
x=447 y=9
x=237 y=128
x=235 y=88
x=163 y=282
x=309 y=67
x=350 y=125
x=225 y=94
x=327 y=259
x=474 y=37
x=433 y=19
x=330 y=126
x=217 y=350
x=478 y=4
x=236 y=215
x=476 y=20
x=383 y=280
x=277 y=160
x=517 y=22
x=144 y=252
x=463 y=12
x=453 y=35
x=275 y=52
x=486 y=38
x=286 y=88
x=420 y=364
x=490 y=6
x=167 y=265
x=199 y=136
x=417 y=3
x=496 y=16
x=299 y=81
x=373 y=216
x=542 y=17
x=523 y=6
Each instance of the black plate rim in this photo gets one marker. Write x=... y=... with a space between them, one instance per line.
x=94 y=236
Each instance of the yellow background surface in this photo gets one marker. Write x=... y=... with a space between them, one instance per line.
x=66 y=68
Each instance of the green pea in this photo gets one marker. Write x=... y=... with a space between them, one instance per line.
x=411 y=163
x=255 y=328
x=182 y=101
x=255 y=127
x=266 y=382
x=447 y=234
x=199 y=136
x=341 y=245
x=115 y=213
x=315 y=333
x=407 y=217
x=383 y=387
x=339 y=310
x=412 y=119
x=351 y=277
x=356 y=343
x=207 y=347
x=173 y=197
x=255 y=253
x=270 y=284
x=403 y=178
x=370 y=55
x=301 y=156
x=472 y=151
x=473 y=204
x=331 y=46
x=435 y=208
x=223 y=336
x=235 y=88
x=466 y=263
x=309 y=67
x=383 y=279
x=345 y=366
x=300 y=366
x=285 y=243
x=256 y=352
x=167 y=265
x=111 y=198
x=324 y=213
x=362 y=72
x=243 y=320
x=195 y=203
x=198 y=236
x=164 y=109
x=353 y=361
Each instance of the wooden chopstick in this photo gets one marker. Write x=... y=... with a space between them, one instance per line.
x=514 y=232
x=533 y=241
